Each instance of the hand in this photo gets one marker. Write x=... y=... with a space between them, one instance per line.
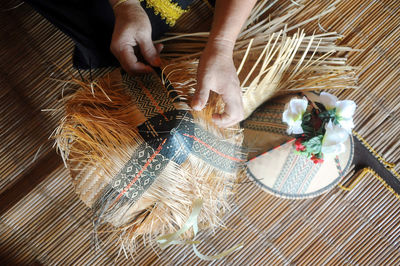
x=216 y=72
x=132 y=28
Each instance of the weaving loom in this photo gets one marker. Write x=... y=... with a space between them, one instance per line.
x=356 y=227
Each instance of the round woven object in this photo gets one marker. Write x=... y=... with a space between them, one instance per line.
x=285 y=174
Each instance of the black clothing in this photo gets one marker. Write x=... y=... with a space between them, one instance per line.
x=90 y=23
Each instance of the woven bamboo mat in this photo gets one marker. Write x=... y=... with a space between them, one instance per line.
x=49 y=225
x=361 y=227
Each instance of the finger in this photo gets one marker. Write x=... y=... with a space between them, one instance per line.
x=200 y=97
x=233 y=111
x=149 y=51
x=159 y=47
x=129 y=61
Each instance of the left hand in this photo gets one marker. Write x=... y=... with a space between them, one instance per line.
x=133 y=28
x=216 y=72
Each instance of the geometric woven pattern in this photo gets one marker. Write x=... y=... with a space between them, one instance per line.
x=296 y=174
x=267 y=118
x=169 y=135
x=184 y=138
x=149 y=94
x=139 y=173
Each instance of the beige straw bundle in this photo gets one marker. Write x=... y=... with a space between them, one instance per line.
x=99 y=132
x=98 y=136
x=269 y=60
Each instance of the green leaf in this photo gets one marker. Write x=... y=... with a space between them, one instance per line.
x=306 y=124
x=314 y=145
x=328 y=115
x=319 y=155
x=306 y=117
x=308 y=130
x=303 y=153
x=321 y=130
x=336 y=120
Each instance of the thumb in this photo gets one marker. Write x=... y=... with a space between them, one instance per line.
x=159 y=47
x=200 y=97
x=149 y=52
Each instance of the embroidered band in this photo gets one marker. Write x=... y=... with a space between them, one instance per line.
x=170 y=135
x=166 y=9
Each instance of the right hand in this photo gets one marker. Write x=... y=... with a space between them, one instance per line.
x=216 y=72
x=132 y=28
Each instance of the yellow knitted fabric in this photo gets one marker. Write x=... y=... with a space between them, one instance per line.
x=166 y=9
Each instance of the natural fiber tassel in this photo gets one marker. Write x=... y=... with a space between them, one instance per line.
x=99 y=137
x=100 y=134
x=282 y=65
x=270 y=60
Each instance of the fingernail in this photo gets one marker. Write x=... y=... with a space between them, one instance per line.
x=216 y=118
x=196 y=106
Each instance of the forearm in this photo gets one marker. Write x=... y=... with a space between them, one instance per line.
x=229 y=17
x=116 y=3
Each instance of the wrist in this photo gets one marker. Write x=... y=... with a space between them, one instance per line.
x=223 y=46
x=118 y=5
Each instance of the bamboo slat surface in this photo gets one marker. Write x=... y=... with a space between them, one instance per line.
x=339 y=228
x=51 y=226
x=27 y=58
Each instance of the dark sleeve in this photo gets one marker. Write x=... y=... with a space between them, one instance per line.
x=90 y=23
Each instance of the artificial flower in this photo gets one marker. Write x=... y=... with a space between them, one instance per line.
x=316 y=160
x=299 y=145
x=344 y=110
x=334 y=138
x=293 y=115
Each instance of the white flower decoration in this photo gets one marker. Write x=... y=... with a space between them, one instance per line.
x=334 y=138
x=293 y=115
x=344 y=109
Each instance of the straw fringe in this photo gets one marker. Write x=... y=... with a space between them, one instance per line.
x=98 y=135
x=96 y=138
x=268 y=63
x=173 y=193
